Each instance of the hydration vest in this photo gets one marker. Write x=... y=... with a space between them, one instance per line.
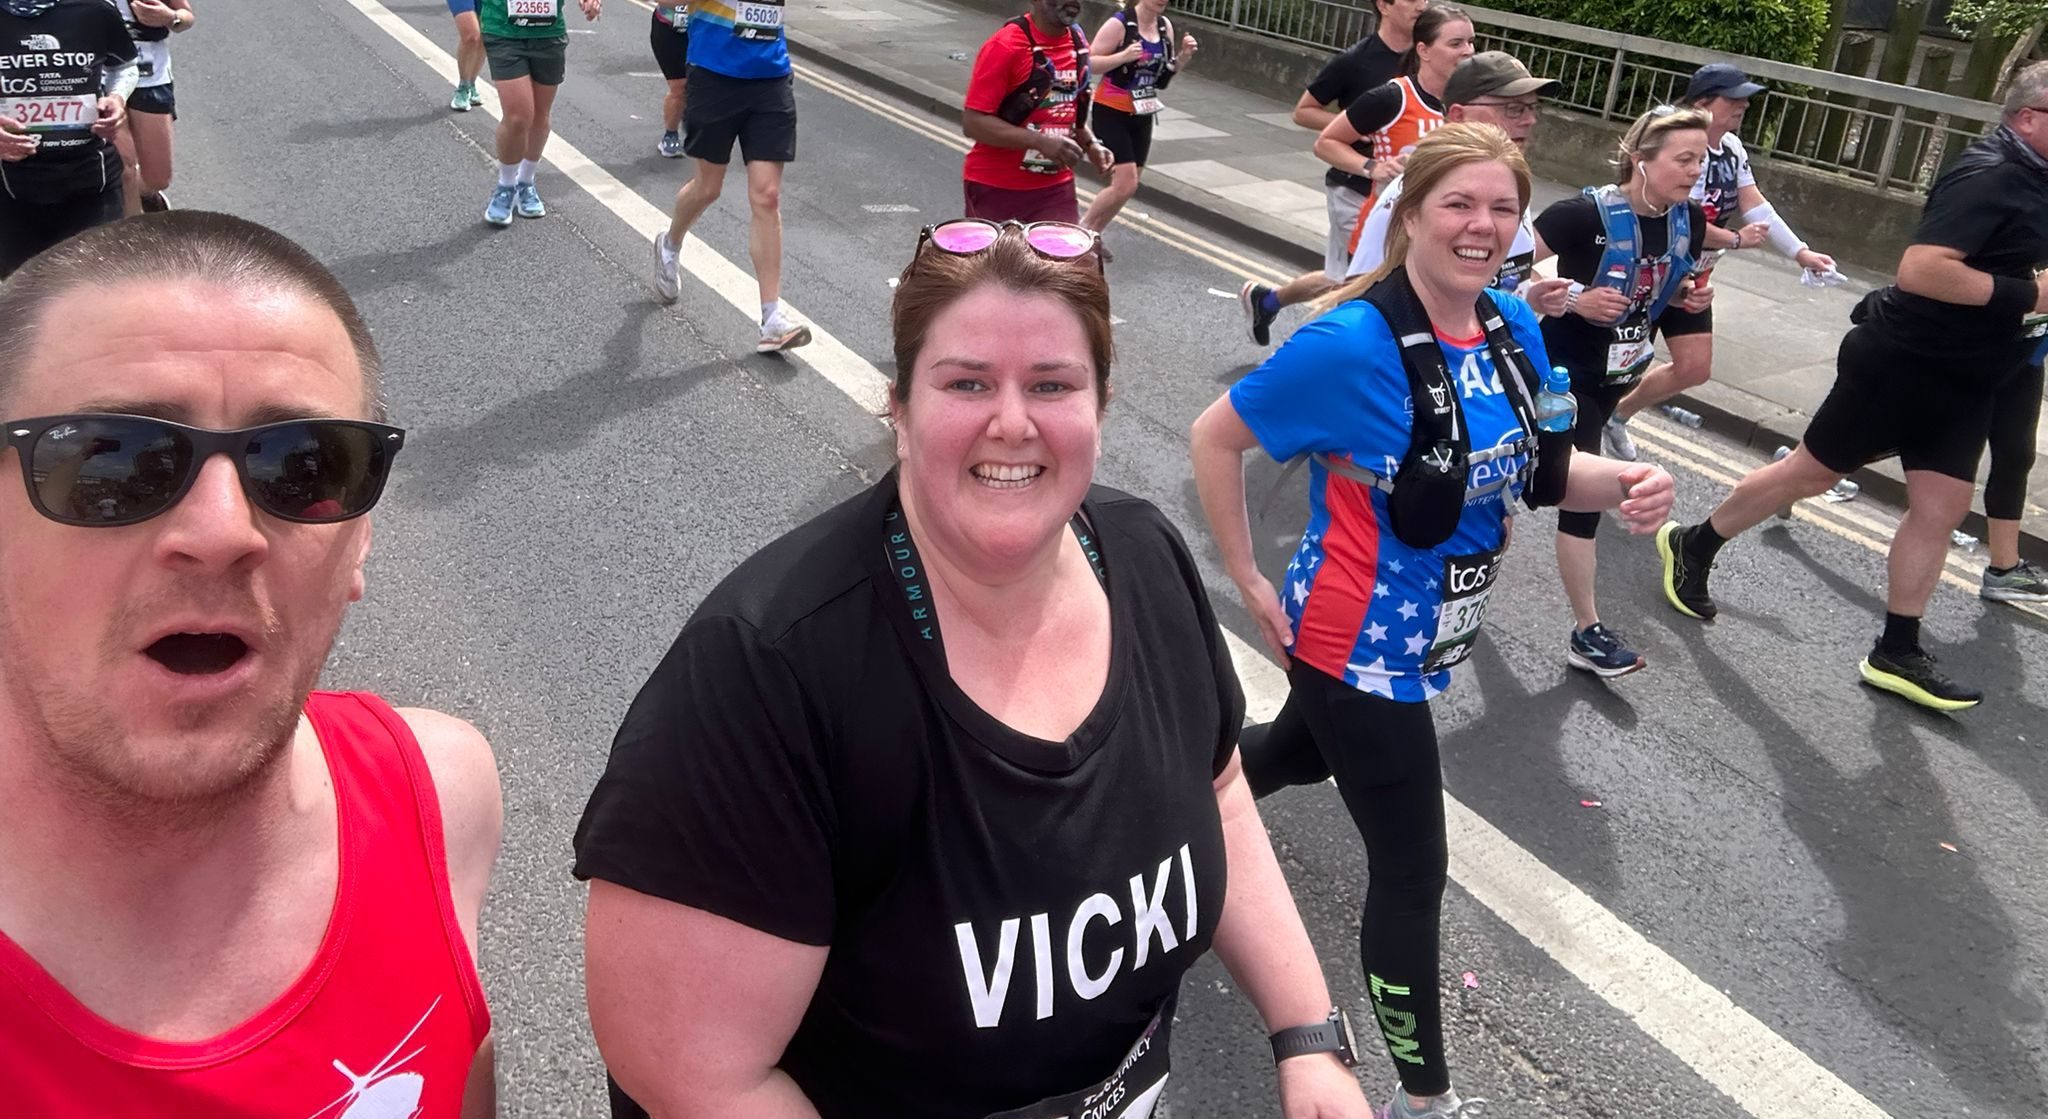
x=1618 y=263
x=1126 y=74
x=1426 y=497
x=1021 y=102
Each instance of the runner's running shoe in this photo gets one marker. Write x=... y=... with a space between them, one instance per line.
x=530 y=205
x=1914 y=676
x=464 y=99
x=1615 y=438
x=2024 y=583
x=666 y=279
x=1252 y=297
x=476 y=100
x=670 y=145
x=780 y=334
x=1600 y=651
x=1685 y=582
x=155 y=202
x=499 y=212
x=1446 y=1106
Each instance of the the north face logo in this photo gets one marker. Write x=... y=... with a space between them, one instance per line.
x=42 y=43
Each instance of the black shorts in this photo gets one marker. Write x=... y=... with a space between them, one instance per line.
x=154 y=99
x=1597 y=399
x=27 y=228
x=671 y=48
x=1128 y=136
x=760 y=113
x=1677 y=322
x=546 y=61
x=1887 y=401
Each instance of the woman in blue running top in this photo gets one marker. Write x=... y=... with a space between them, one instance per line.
x=1369 y=624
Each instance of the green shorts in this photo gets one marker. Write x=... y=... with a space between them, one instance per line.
x=543 y=60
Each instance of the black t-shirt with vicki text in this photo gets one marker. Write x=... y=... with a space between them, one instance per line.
x=1572 y=228
x=51 y=67
x=1006 y=915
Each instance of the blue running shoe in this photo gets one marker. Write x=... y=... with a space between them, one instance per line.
x=670 y=145
x=499 y=212
x=530 y=205
x=1600 y=651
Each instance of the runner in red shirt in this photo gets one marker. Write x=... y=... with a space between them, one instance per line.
x=1026 y=113
x=221 y=894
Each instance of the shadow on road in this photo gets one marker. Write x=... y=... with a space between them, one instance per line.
x=1925 y=942
x=423 y=266
x=361 y=128
x=525 y=430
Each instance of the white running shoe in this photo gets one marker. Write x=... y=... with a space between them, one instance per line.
x=778 y=334
x=1614 y=437
x=666 y=279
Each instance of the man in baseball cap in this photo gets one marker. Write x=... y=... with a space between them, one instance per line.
x=1492 y=87
x=1720 y=79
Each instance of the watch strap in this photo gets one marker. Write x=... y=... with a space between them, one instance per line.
x=1298 y=1041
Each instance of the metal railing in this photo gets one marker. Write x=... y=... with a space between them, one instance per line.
x=1888 y=136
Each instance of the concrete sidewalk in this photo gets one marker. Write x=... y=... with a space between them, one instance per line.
x=1233 y=160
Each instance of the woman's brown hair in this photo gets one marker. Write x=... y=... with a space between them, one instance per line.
x=1648 y=135
x=935 y=280
x=1434 y=158
x=1429 y=27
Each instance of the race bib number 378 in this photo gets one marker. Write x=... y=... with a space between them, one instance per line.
x=52 y=114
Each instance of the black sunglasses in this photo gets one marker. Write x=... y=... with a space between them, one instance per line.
x=100 y=470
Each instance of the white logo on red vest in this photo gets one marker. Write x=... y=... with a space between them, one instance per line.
x=384 y=1092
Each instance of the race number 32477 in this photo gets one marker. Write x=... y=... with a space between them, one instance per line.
x=52 y=114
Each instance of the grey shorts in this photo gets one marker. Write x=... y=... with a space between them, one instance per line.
x=1345 y=205
x=543 y=60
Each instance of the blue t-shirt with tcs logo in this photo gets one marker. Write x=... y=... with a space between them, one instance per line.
x=1384 y=617
x=739 y=38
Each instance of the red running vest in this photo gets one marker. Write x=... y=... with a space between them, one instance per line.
x=382 y=1025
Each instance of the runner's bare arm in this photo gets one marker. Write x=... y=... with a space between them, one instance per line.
x=1263 y=944
x=987 y=128
x=1333 y=146
x=1312 y=114
x=1106 y=53
x=472 y=821
x=691 y=1010
x=1938 y=272
x=1639 y=491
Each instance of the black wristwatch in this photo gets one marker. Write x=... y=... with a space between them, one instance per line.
x=1331 y=1035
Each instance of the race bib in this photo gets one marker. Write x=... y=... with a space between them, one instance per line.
x=1129 y=1093
x=757 y=20
x=1145 y=101
x=1468 y=583
x=1630 y=352
x=1040 y=163
x=52 y=114
x=536 y=11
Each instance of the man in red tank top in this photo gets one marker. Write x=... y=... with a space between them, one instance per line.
x=222 y=894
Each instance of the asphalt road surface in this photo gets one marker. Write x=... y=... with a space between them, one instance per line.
x=1858 y=877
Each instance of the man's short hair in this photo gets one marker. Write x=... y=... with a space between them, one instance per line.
x=2029 y=89
x=177 y=245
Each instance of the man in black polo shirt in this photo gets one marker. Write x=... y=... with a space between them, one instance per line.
x=1918 y=377
x=66 y=70
x=1366 y=64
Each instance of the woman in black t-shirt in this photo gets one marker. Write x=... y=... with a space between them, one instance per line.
x=1606 y=335
x=851 y=863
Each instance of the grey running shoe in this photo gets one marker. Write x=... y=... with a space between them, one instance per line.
x=666 y=278
x=670 y=145
x=2024 y=583
x=1446 y=1106
x=1614 y=437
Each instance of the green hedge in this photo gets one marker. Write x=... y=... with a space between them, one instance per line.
x=1783 y=30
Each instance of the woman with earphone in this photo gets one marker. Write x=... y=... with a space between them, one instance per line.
x=1630 y=249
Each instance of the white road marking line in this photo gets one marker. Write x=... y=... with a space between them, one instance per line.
x=846 y=370
x=1765 y=1074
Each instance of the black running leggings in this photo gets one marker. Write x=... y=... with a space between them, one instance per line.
x=1384 y=756
x=2012 y=445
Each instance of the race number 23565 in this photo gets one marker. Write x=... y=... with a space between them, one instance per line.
x=533 y=9
x=52 y=114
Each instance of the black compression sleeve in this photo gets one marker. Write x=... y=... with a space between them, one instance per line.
x=2012 y=297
